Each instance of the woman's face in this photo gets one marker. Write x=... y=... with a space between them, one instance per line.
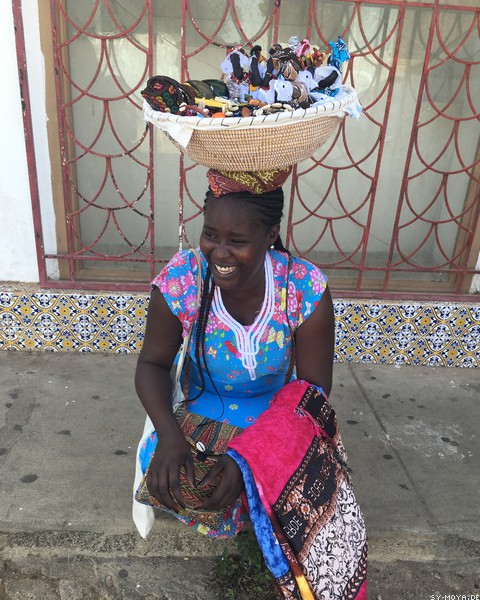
x=234 y=242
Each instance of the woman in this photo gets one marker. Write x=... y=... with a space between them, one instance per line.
x=240 y=229
x=262 y=315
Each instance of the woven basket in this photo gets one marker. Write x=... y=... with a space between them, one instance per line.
x=266 y=142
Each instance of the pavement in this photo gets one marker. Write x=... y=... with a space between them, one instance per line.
x=69 y=425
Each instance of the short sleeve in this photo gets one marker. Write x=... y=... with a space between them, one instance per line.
x=306 y=284
x=177 y=283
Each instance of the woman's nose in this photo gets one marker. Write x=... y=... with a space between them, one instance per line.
x=222 y=250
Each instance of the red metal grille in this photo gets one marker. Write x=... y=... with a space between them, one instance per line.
x=379 y=219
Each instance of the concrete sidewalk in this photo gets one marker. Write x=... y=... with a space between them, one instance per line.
x=69 y=425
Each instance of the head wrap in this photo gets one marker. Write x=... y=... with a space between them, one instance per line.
x=254 y=182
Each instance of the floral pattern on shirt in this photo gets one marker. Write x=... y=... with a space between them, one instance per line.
x=240 y=399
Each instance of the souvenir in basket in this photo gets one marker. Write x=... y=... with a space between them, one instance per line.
x=291 y=112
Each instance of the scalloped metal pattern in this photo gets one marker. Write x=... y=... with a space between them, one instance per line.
x=439 y=79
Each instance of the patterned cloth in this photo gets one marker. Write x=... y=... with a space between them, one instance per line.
x=236 y=515
x=295 y=472
x=254 y=182
x=242 y=399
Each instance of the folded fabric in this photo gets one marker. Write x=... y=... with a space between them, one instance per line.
x=254 y=182
x=272 y=552
x=299 y=468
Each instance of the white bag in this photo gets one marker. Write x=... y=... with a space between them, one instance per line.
x=143 y=515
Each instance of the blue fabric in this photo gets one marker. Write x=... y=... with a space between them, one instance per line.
x=241 y=399
x=147 y=450
x=340 y=53
x=271 y=549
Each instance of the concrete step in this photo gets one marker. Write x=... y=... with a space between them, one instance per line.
x=175 y=564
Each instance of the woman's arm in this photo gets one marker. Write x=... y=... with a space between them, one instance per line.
x=314 y=345
x=163 y=336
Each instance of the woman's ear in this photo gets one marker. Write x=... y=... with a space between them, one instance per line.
x=273 y=235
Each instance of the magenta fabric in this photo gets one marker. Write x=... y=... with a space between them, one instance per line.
x=299 y=465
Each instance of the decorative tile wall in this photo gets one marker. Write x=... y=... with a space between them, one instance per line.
x=410 y=333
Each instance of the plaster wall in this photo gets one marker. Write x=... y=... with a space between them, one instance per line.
x=18 y=258
x=17 y=245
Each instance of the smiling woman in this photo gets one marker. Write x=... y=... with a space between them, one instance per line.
x=256 y=302
x=263 y=323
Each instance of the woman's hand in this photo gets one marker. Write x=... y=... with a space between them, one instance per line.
x=229 y=488
x=163 y=480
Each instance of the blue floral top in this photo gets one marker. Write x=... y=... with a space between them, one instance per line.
x=240 y=399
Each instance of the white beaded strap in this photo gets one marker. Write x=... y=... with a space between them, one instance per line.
x=248 y=342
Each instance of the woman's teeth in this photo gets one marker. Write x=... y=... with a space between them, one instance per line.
x=225 y=270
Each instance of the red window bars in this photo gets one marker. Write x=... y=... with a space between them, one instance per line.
x=390 y=204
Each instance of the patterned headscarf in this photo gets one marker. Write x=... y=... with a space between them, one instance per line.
x=254 y=182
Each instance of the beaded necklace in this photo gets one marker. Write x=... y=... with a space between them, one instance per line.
x=248 y=340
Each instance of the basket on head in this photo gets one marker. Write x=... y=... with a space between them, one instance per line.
x=274 y=141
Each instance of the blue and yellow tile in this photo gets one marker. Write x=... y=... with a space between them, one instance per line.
x=435 y=334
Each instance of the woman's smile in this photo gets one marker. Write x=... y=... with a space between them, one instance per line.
x=224 y=270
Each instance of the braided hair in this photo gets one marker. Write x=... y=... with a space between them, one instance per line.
x=269 y=206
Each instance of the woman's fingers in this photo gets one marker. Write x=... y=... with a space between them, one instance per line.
x=223 y=496
x=189 y=470
x=229 y=488
x=175 y=490
x=214 y=472
x=174 y=479
x=158 y=486
x=220 y=498
x=164 y=482
x=163 y=479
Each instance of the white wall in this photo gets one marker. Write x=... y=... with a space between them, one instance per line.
x=18 y=259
